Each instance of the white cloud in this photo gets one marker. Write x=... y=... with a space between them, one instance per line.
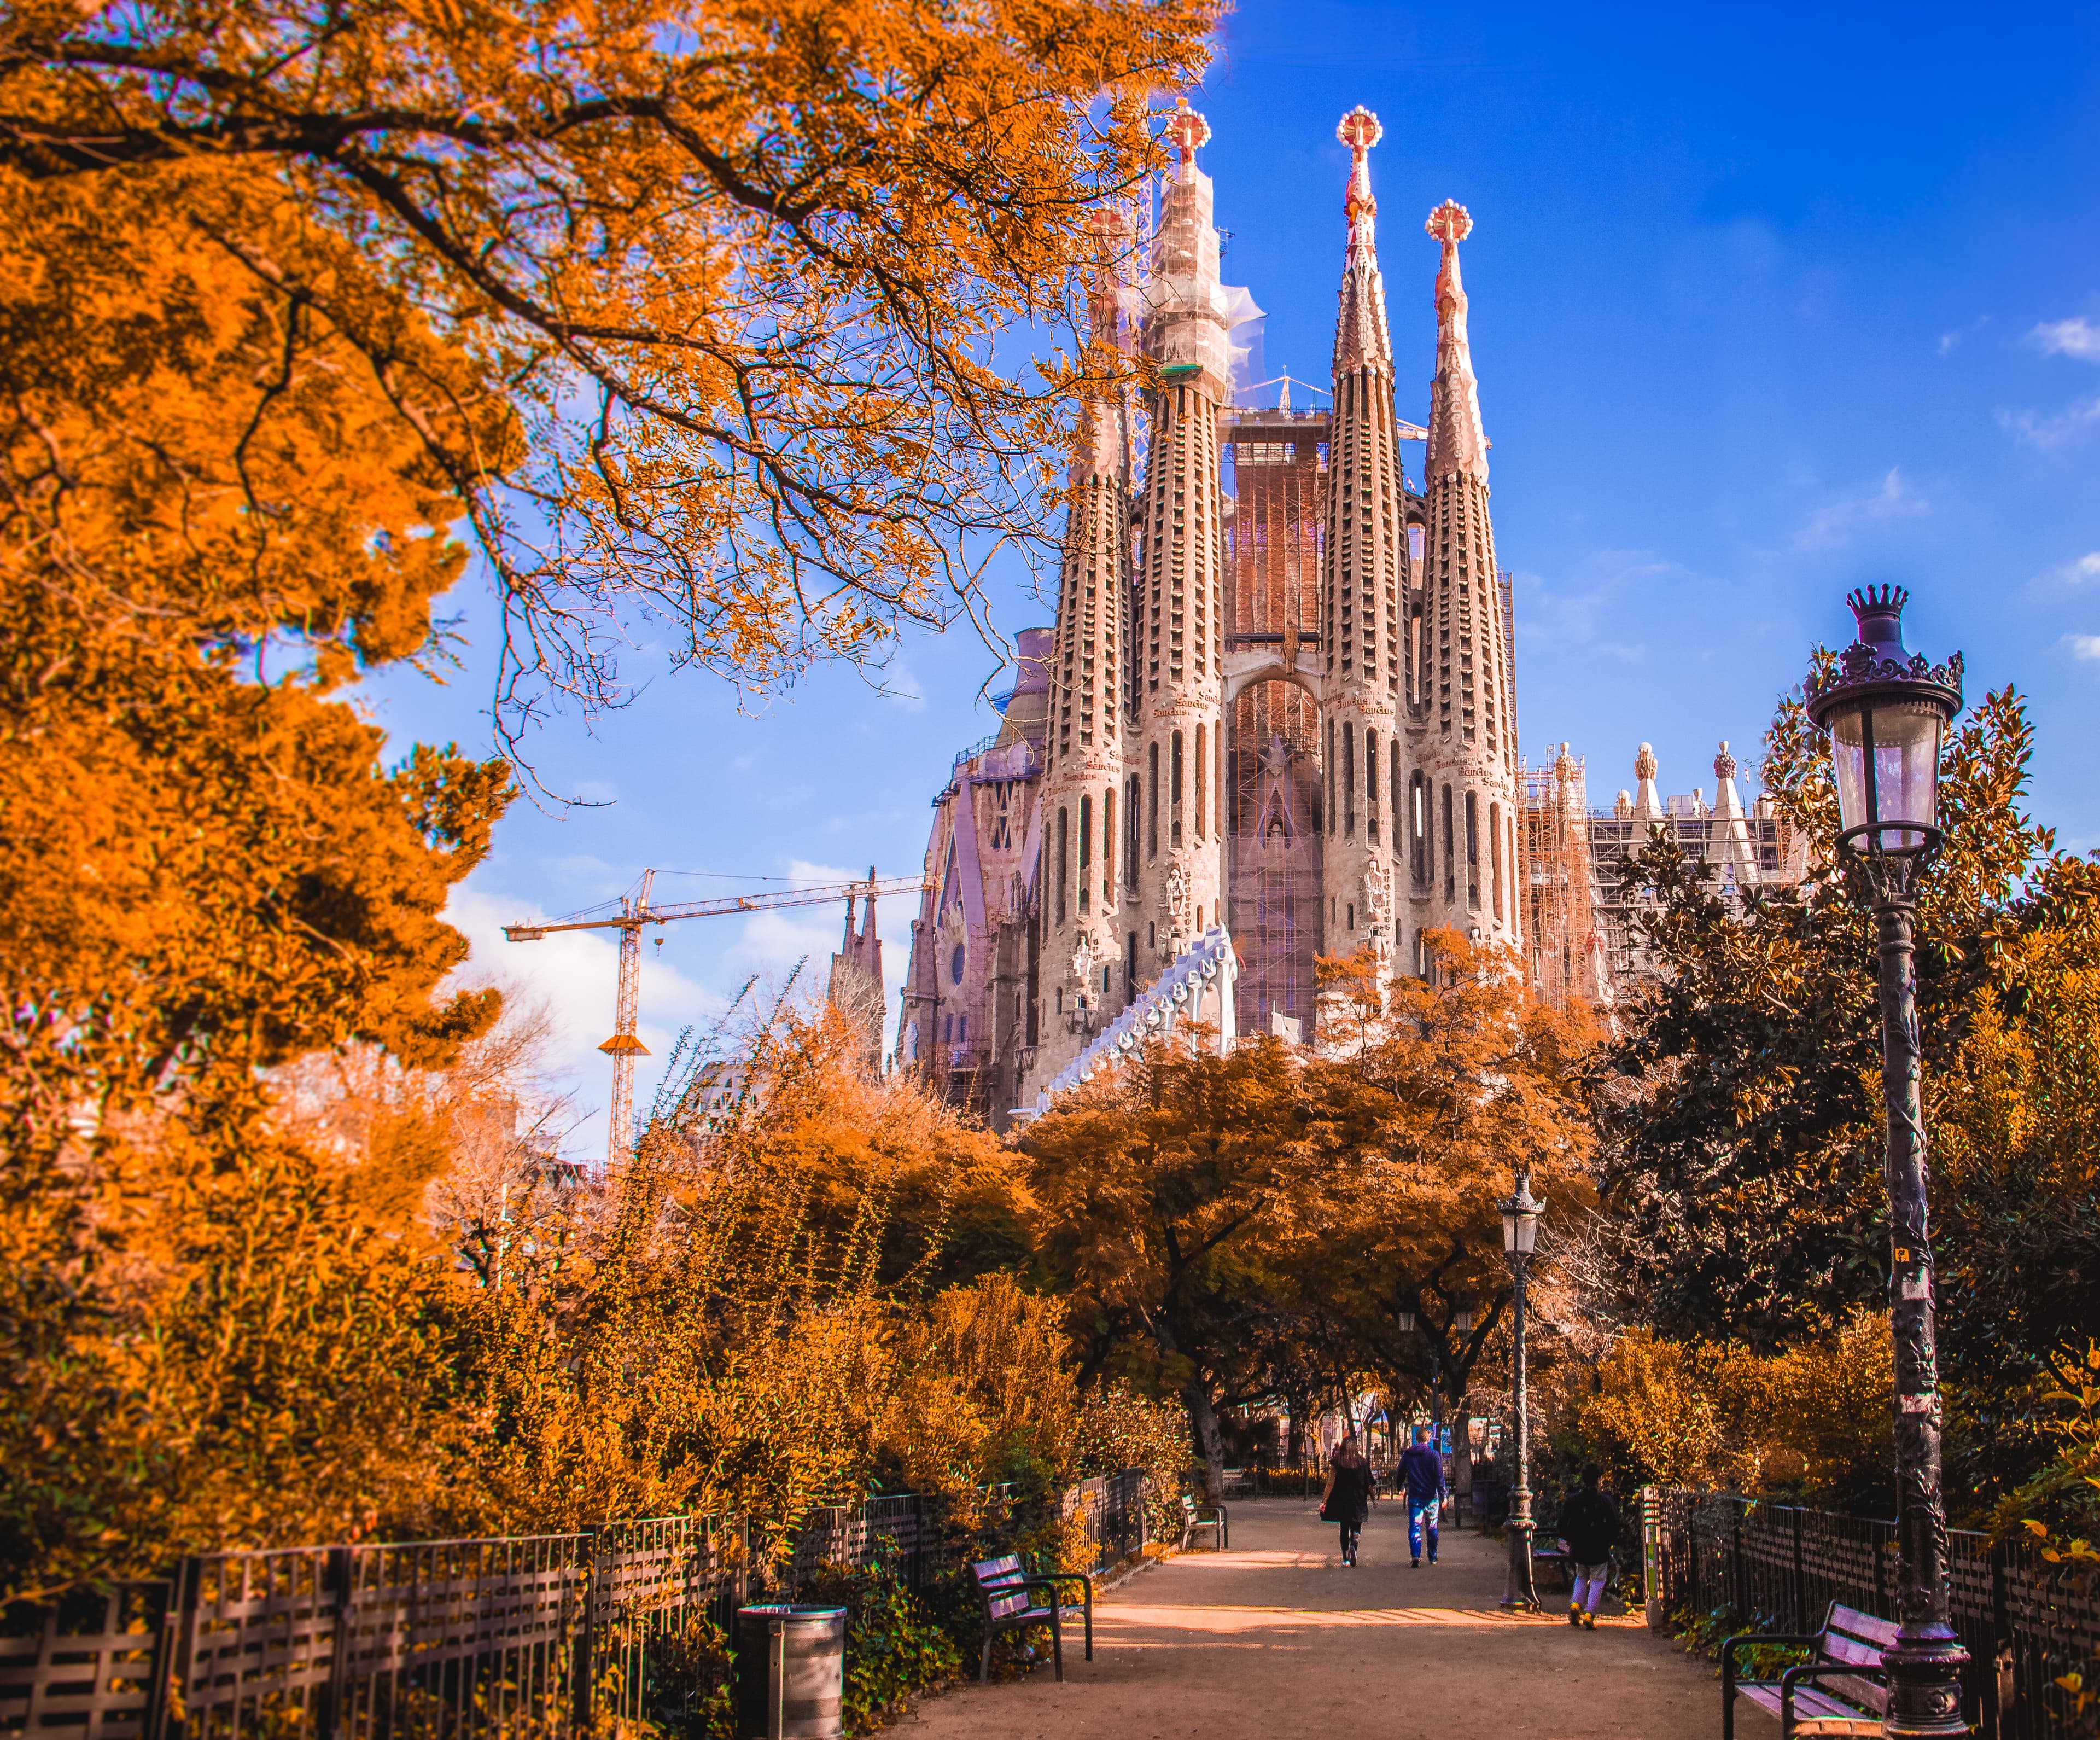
x=1834 y=524
x=2085 y=647
x=2075 y=419
x=2076 y=336
x=1947 y=341
x=2084 y=568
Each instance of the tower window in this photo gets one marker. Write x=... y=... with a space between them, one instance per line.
x=1495 y=850
x=1472 y=849
x=1418 y=822
x=1131 y=813
x=1450 y=866
x=1063 y=848
x=1174 y=793
x=1370 y=783
x=1200 y=765
x=1152 y=800
x=1108 y=840
x=1086 y=848
x=1349 y=779
x=955 y=964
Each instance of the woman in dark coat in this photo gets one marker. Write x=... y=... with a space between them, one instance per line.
x=1348 y=1497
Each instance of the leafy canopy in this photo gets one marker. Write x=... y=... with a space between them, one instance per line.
x=719 y=287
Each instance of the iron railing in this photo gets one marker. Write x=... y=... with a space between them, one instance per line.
x=2026 y=1623
x=455 y=1640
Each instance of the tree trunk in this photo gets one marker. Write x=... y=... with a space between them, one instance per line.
x=1209 y=1442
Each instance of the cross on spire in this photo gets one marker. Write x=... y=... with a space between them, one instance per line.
x=1188 y=129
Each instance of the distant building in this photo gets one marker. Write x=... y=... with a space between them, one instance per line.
x=1276 y=716
x=1748 y=849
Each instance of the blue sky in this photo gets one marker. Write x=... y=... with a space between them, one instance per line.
x=1766 y=302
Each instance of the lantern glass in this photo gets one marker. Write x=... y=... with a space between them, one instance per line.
x=1885 y=754
x=1407 y=1319
x=1520 y=1227
x=1463 y=1321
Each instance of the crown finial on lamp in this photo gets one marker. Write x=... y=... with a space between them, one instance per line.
x=1878 y=610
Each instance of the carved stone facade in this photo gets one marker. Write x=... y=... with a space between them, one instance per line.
x=1278 y=696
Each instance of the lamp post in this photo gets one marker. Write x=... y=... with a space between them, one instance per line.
x=1519 y=1239
x=1887 y=713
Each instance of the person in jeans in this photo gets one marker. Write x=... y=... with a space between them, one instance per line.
x=1422 y=1472
x=1589 y=1529
x=1349 y=1496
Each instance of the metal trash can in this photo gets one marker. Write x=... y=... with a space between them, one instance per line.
x=790 y=1672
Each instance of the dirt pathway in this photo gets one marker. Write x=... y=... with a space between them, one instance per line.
x=1277 y=1637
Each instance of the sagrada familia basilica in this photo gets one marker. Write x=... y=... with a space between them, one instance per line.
x=1276 y=718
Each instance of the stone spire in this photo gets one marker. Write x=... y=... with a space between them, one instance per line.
x=1728 y=839
x=1360 y=334
x=1457 y=441
x=1365 y=577
x=1175 y=754
x=1647 y=803
x=1085 y=830
x=1467 y=695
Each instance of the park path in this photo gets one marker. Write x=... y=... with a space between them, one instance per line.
x=1277 y=1637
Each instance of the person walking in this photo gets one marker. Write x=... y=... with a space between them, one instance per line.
x=1422 y=1473
x=1589 y=1529
x=1347 y=1500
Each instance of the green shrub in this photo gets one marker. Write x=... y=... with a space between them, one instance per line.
x=895 y=1645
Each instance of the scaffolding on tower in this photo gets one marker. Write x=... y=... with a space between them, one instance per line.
x=1566 y=962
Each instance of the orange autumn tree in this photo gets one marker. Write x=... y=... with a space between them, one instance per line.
x=1422 y=1119
x=685 y=313
x=734 y=273
x=210 y=522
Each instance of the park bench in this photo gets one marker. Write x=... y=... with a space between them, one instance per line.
x=1196 y=1518
x=1838 y=1691
x=1008 y=1591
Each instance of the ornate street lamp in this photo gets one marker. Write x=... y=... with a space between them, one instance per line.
x=1519 y=1239
x=1887 y=713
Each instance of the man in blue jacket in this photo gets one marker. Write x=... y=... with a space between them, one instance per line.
x=1423 y=1471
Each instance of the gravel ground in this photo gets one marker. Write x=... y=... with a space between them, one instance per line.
x=1278 y=1637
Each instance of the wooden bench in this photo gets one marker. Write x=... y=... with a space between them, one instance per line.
x=1007 y=1590
x=1196 y=1518
x=1840 y=1691
x=1548 y=1554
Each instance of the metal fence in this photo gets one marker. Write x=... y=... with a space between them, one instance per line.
x=2025 y=1623
x=1110 y=1510
x=454 y=1640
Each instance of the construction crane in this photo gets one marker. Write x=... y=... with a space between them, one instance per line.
x=635 y=912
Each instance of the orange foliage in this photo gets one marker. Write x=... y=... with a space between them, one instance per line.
x=732 y=272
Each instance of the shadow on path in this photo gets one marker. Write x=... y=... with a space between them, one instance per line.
x=1277 y=1636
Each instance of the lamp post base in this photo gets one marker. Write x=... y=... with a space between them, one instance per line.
x=1518 y=1589
x=1924 y=1668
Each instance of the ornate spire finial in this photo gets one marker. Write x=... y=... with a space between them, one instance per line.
x=1457 y=443
x=1450 y=223
x=1724 y=764
x=1189 y=130
x=1359 y=130
x=1644 y=762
